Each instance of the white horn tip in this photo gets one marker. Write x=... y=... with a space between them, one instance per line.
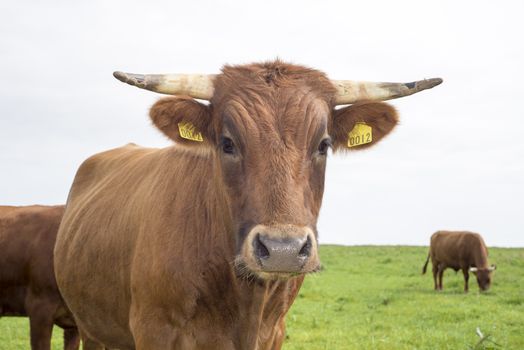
x=430 y=83
x=425 y=84
x=131 y=79
x=120 y=75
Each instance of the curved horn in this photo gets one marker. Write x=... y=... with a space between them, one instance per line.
x=195 y=85
x=473 y=269
x=354 y=91
x=493 y=267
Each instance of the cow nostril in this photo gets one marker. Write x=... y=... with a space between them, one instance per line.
x=261 y=250
x=305 y=251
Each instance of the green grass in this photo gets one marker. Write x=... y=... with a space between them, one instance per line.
x=376 y=298
x=14 y=334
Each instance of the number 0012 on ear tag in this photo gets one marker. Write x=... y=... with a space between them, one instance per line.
x=189 y=132
x=360 y=135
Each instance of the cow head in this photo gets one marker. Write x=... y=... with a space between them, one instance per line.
x=483 y=276
x=269 y=127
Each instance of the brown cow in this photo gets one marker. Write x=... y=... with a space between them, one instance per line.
x=459 y=250
x=204 y=244
x=27 y=281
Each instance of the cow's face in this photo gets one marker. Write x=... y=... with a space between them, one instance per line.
x=269 y=129
x=484 y=277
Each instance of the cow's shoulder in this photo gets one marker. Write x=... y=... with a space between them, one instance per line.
x=108 y=159
x=101 y=165
x=475 y=240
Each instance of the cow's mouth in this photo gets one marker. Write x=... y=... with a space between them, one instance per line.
x=249 y=272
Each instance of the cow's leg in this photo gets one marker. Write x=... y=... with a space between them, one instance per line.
x=440 y=275
x=152 y=330
x=152 y=334
x=435 y=272
x=71 y=339
x=89 y=344
x=41 y=324
x=466 y=279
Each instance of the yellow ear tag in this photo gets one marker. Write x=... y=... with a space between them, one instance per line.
x=189 y=132
x=360 y=135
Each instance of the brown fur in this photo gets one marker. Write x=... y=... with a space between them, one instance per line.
x=27 y=281
x=161 y=238
x=460 y=251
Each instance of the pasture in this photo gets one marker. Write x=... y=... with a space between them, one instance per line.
x=370 y=297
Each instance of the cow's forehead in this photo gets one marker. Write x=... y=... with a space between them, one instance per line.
x=270 y=84
x=273 y=100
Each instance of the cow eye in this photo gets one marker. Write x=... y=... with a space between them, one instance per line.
x=227 y=145
x=324 y=146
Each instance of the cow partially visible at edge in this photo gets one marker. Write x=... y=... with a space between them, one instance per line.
x=205 y=244
x=460 y=250
x=27 y=280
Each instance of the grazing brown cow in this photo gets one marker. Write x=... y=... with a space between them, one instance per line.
x=459 y=250
x=27 y=281
x=204 y=244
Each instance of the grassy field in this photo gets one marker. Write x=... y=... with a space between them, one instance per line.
x=14 y=334
x=376 y=298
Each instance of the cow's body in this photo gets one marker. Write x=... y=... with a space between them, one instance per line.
x=210 y=298
x=460 y=250
x=204 y=244
x=27 y=282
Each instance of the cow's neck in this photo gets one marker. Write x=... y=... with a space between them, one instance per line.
x=253 y=309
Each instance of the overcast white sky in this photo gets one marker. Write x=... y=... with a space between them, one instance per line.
x=455 y=162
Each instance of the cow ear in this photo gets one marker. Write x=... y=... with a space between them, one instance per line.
x=183 y=120
x=362 y=125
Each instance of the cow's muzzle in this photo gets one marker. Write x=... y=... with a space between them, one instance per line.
x=280 y=250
